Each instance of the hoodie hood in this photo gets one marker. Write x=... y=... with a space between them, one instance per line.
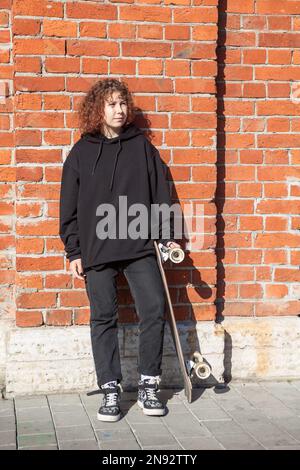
x=128 y=132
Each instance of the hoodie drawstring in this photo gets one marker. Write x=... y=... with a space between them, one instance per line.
x=98 y=156
x=115 y=162
x=115 y=165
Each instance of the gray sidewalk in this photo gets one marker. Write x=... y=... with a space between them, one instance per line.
x=263 y=415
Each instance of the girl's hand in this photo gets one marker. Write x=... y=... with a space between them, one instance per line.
x=173 y=245
x=76 y=269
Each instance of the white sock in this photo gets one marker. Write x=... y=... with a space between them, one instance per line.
x=112 y=383
x=152 y=378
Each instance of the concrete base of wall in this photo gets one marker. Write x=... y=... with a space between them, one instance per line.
x=56 y=359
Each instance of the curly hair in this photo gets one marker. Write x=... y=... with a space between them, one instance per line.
x=91 y=108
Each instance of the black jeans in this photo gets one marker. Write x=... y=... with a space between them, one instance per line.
x=147 y=290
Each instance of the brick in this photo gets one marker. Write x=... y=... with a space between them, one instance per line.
x=38 y=8
x=280 y=7
x=91 y=65
x=279 y=240
x=37 y=155
x=59 y=318
x=277 y=308
x=150 y=67
x=29 y=245
x=28 y=64
x=29 y=174
x=73 y=299
x=235 y=6
x=276 y=291
x=82 y=317
x=250 y=256
x=39 y=46
x=40 y=83
x=36 y=300
x=26 y=27
x=28 y=318
x=62 y=65
x=193 y=50
x=49 y=263
x=178 y=32
x=83 y=10
x=145 y=13
x=286 y=275
x=175 y=68
x=92 y=48
x=61 y=28
x=251 y=291
x=92 y=29
x=187 y=15
x=58 y=281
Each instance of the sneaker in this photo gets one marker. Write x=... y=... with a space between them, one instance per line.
x=147 y=398
x=110 y=409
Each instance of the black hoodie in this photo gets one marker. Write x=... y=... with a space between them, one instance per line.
x=98 y=170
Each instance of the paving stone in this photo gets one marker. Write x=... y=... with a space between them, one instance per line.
x=177 y=409
x=222 y=427
x=98 y=425
x=8 y=447
x=264 y=415
x=203 y=404
x=64 y=399
x=120 y=445
x=69 y=418
x=295 y=384
x=35 y=427
x=30 y=402
x=258 y=396
x=152 y=428
x=86 y=399
x=33 y=414
x=36 y=440
x=7 y=423
x=186 y=426
x=137 y=416
x=154 y=440
x=169 y=397
x=75 y=408
x=291 y=425
x=279 y=411
x=200 y=443
x=294 y=406
x=297 y=447
x=249 y=416
x=7 y=438
x=75 y=433
x=240 y=441
x=43 y=447
x=282 y=390
x=6 y=408
x=79 y=445
x=269 y=434
x=166 y=447
x=115 y=434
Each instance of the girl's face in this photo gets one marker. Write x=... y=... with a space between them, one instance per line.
x=115 y=111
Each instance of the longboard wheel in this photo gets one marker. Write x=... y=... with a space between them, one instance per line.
x=202 y=370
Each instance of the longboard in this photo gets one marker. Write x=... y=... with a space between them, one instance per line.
x=195 y=363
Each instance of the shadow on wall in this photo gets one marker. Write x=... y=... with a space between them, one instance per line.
x=194 y=276
x=220 y=195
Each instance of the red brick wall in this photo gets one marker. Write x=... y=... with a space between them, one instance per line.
x=259 y=157
x=7 y=168
x=166 y=52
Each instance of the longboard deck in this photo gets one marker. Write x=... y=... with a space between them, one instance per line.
x=188 y=388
